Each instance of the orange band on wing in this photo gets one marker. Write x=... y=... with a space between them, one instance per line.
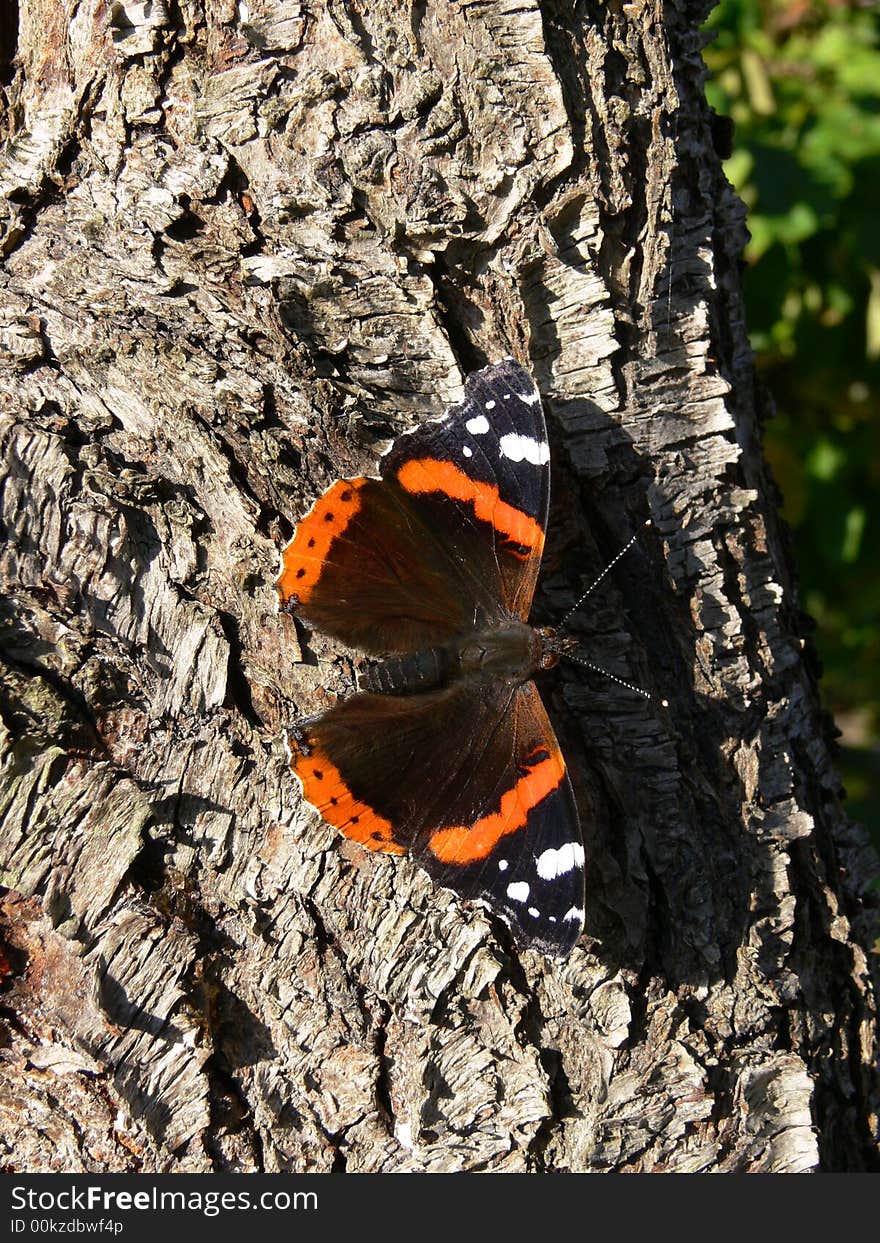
x=429 y=475
x=465 y=844
x=324 y=787
x=304 y=556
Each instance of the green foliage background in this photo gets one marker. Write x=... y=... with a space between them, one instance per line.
x=801 y=80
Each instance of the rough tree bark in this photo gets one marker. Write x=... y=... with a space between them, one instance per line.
x=245 y=244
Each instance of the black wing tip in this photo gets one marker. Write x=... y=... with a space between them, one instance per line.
x=500 y=382
x=566 y=934
x=560 y=951
x=508 y=365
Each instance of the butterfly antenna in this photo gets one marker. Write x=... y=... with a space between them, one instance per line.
x=567 y=651
x=610 y=566
x=587 y=664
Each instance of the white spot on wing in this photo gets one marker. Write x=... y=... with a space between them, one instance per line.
x=478 y=425
x=534 y=912
x=518 y=891
x=531 y=399
x=575 y=913
x=552 y=863
x=490 y=405
x=523 y=448
x=502 y=865
x=467 y=451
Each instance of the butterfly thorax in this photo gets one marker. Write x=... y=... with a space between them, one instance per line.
x=507 y=651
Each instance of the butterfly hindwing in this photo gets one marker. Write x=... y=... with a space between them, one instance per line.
x=360 y=567
x=470 y=781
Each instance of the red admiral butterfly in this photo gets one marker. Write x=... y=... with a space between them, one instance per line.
x=447 y=753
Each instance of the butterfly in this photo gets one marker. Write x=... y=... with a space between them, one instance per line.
x=446 y=754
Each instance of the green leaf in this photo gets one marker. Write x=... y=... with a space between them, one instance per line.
x=852 y=536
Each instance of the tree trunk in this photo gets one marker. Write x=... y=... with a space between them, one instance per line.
x=245 y=245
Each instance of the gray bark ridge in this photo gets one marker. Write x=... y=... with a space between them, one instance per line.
x=244 y=245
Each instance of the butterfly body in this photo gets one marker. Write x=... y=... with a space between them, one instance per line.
x=446 y=754
x=508 y=650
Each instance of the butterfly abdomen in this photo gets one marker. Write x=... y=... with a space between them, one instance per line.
x=408 y=674
x=509 y=650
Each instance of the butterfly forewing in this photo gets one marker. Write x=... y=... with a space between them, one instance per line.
x=482 y=475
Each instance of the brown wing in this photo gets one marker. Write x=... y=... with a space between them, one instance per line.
x=470 y=780
x=482 y=477
x=365 y=567
x=450 y=536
